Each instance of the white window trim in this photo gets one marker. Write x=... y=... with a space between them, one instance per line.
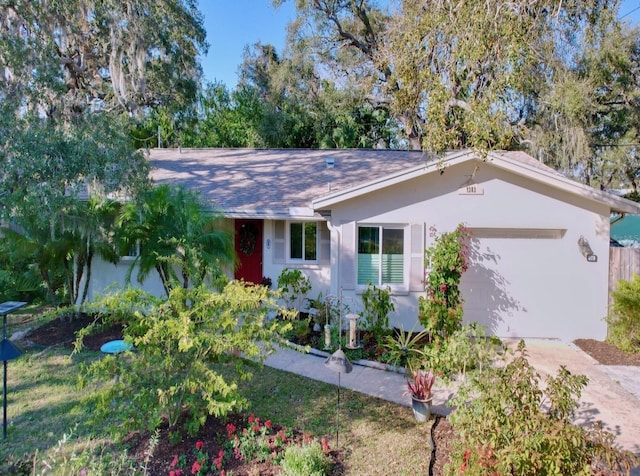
x=287 y=238
x=406 y=258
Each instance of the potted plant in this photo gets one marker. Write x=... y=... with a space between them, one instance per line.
x=421 y=395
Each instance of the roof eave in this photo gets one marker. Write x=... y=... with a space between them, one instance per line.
x=615 y=203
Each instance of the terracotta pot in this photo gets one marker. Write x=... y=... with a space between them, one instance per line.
x=421 y=409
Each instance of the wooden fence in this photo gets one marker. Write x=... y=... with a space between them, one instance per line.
x=623 y=264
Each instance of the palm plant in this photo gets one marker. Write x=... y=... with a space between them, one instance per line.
x=89 y=227
x=179 y=236
x=31 y=241
x=401 y=349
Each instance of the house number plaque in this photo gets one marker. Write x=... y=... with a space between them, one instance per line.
x=471 y=189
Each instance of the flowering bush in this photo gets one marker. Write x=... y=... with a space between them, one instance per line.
x=440 y=312
x=200 y=464
x=254 y=440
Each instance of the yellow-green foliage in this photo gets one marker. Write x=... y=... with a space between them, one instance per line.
x=624 y=321
x=176 y=344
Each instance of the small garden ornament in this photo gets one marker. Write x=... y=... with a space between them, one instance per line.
x=421 y=395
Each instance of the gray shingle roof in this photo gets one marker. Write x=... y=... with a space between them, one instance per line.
x=267 y=183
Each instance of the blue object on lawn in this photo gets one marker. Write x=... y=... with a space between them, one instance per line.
x=115 y=346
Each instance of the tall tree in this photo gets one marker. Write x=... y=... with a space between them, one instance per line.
x=587 y=121
x=301 y=108
x=62 y=59
x=46 y=166
x=453 y=73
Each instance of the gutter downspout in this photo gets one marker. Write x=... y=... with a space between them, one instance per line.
x=335 y=229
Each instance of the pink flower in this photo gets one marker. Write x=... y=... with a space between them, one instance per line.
x=195 y=469
x=172 y=473
x=174 y=461
x=199 y=445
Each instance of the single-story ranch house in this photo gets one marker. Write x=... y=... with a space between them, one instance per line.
x=540 y=241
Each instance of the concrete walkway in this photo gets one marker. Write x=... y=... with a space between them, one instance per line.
x=604 y=399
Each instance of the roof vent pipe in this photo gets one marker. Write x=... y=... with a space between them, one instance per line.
x=330 y=161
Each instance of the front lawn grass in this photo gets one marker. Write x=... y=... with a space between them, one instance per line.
x=44 y=403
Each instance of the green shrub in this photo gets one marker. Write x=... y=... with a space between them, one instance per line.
x=624 y=321
x=502 y=427
x=468 y=348
x=176 y=342
x=293 y=286
x=307 y=459
x=377 y=304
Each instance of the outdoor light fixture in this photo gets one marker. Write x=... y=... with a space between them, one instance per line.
x=8 y=351
x=338 y=362
x=586 y=250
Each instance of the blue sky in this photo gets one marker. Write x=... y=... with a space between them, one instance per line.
x=233 y=24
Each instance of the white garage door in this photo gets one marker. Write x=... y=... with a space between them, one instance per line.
x=516 y=279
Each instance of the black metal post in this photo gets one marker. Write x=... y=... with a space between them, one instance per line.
x=338 y=414
x=8 y=351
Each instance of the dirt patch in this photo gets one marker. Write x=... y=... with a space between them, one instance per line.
x=607 y=354
x=60 y=332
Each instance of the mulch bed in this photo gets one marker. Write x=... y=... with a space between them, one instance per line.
x=60 y=332
x=607 y=354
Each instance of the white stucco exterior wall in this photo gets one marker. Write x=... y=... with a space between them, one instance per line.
x=531 y=287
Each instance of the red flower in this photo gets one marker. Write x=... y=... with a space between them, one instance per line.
x=325 y=445
x=174 y=461
x=172 y=473
x=251 y=418
x=199 y=445
x=195 y=469
x=256 y=429
x=268 y=424
x=231 y=429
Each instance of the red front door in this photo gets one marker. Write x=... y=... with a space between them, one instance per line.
x=248 y=242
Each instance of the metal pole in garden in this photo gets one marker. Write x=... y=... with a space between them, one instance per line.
x=8 y=351
x=338 y=362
